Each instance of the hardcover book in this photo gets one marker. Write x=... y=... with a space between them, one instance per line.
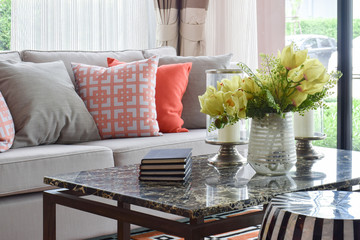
x=167 y=166
x=162 y=156
x=166 y=178
x=165 y=172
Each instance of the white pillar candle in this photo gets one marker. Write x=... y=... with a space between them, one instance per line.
x=304 y=125
x=230 y=133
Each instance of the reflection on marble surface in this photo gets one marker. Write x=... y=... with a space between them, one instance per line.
x=228 y=182
x=210 y=190
x=284 y=183
x=304 y=170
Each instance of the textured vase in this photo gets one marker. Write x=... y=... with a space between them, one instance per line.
x=272 y=144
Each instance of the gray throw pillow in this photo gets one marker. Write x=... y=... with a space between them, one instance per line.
x=44 y=105
x=191 y=114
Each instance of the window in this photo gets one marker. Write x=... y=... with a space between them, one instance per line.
x=320 y=17
x=310 y=43
x=316 y=27
x=324 y=43
x=5 y=24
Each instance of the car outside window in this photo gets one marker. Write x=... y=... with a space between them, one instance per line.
x=310 y=43
x=324 y=43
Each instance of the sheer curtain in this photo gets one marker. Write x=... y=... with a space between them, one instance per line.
x=231 y=26
x=82 y=24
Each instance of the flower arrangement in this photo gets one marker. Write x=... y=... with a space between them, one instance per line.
x=290 y=82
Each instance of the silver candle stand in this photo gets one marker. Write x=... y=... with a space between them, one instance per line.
x=228 y=154
x=304 y=148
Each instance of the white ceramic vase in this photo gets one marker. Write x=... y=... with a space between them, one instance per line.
x=272 y=148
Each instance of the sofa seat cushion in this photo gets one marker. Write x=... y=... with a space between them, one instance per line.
x=131 y=150
x=23 y=169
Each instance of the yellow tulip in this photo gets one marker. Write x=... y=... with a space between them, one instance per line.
x=211 y=102
x=229 y=85
x=312 y=76
x=291 y=59
x=229 y=103
x=250 y=87
x=298 y=98
x=240 y=100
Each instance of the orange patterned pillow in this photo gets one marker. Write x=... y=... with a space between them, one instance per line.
x=7 y=130
x=121 y=98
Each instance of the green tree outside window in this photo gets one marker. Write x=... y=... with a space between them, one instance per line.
x=5 y=24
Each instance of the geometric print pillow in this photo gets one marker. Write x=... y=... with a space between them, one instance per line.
x=7 y=129
x=171 y=82
x=121 y=99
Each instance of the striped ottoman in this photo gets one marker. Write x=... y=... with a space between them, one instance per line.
x=313 y=215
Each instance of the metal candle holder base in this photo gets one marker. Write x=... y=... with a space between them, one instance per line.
x=227 y=155
x=304 y=148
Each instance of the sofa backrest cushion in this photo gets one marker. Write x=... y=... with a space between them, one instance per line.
x=160 y=51
x=121 y=98
x=98 y=58
x=10 y=55
x=191 y=114
x=7 y=129
x=44 y=104
x=86 y=57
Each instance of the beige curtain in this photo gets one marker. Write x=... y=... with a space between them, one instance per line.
x=167 y=18
x=192 y=27
x=181 y=24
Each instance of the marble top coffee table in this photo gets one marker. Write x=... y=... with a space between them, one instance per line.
x=209 y=191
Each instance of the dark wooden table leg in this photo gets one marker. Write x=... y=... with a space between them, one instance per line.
x=195 y=235
x=123 y=228
x=49 y=217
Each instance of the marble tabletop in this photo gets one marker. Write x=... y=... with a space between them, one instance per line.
x=210 y=190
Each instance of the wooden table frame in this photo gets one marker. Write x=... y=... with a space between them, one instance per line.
x=197 y=229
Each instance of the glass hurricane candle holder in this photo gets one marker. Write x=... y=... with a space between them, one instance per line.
x=231 y=135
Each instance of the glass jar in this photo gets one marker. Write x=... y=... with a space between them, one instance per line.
x=236 y=133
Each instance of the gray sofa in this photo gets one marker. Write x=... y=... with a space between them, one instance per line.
x=22 y=169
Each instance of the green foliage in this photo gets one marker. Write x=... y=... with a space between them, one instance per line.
x=330 y=126
x=5 y=24
x=330 y=122
x=327 y=27
x=259 y=106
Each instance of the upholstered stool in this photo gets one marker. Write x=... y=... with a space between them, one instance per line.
x=313 y=215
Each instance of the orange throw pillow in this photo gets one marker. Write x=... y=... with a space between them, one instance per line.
x=171 y=83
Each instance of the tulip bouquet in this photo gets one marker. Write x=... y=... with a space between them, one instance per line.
x=290 y=82
x=226 y=104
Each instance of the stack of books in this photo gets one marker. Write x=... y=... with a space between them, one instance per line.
x=166 y=165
